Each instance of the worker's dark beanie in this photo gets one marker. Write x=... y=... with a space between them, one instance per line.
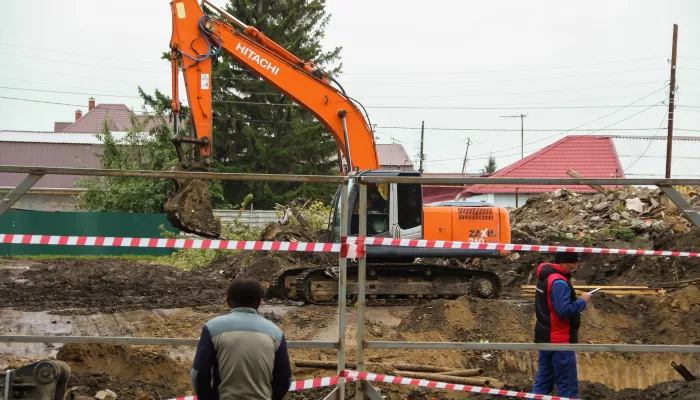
x=561 y=258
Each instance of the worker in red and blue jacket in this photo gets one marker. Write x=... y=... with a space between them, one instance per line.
x=558 y=319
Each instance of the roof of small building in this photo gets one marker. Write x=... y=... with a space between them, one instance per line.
x=590 y=156
x=393 y=154
x=54 y=137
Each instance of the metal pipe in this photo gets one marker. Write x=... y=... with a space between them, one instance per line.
x=16 y=193
x=9 y=379
x=361 y=289
x=151 y=341
x=228 y=16
x=342 y=114
x=342 y=292
x=584 y=348
x=527 y=181
x=225 y=176
x=688 y=210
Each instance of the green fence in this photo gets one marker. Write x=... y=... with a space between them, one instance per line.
x=82 y=224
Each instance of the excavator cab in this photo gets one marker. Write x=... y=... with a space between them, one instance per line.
x=394 y=210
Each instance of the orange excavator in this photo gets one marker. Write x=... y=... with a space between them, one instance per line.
x=394 y=210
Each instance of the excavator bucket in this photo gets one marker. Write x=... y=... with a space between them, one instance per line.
x=189 y=208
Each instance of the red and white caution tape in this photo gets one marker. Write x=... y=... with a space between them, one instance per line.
x=443 y=244
x=298 y=385
x=344 y=249
x=350 y=247
x=370 y=377
x=366 y=376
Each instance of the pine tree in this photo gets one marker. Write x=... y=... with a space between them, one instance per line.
x=273 y=139
x=491 y=167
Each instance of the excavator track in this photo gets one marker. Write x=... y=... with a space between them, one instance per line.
x=388 y=284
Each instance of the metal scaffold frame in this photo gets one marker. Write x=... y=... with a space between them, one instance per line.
x=363 y=387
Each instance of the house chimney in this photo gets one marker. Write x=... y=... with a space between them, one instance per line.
x=91 y=103
x=78 y=114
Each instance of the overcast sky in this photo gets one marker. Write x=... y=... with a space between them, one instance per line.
x=406 y=61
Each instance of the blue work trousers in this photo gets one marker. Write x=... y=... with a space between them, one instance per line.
x=557 y=367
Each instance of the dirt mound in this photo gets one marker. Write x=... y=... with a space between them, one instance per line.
x=671 y=319
x=88 y=384
x=467 y=319
x=628 y=218
x=74 y=286
x=628 y=214
x=128 y=363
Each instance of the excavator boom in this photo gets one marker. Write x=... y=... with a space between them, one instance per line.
x=196 y=39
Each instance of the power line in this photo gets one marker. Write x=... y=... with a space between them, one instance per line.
x=509 y=108
x=62 y=92
x=467 y=82
x=80 y=63
x=648 y=145
x=41 y=101
x=547 y=78
x=507 y=70
x=662 y=157
x=45 y=83
x=72 y=76
x=496 y=94
x=589 y=122
x=81 y=54
x=518 y=130
x=519 y=93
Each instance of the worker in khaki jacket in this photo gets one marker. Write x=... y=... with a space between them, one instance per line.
x=558 y=314
x=241 y=355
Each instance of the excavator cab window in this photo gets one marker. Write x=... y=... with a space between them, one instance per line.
x=378 y=202
x=410 y=205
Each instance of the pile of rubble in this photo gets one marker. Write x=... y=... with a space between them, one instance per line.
x=632 y=214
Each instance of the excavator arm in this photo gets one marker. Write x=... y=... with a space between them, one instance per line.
x=197 y=37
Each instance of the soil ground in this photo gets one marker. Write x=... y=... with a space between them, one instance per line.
x=127 y=298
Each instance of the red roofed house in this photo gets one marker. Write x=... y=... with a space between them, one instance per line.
x=117 y=116
x=394 y=156
x=590 y=156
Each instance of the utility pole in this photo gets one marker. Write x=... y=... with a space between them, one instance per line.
x=671 y=103
x=422 y=136
x=464 y=164
x=522 y=131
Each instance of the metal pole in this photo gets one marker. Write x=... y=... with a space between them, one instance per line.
x=9 y=379
x=361 y=287
x=464 y=164
x=141 y=341
x=422 y=135
x=19 y=191
x=342 y=292
x=671 y=103
x=584 y=348
x=348 y=157
x=522 y=136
